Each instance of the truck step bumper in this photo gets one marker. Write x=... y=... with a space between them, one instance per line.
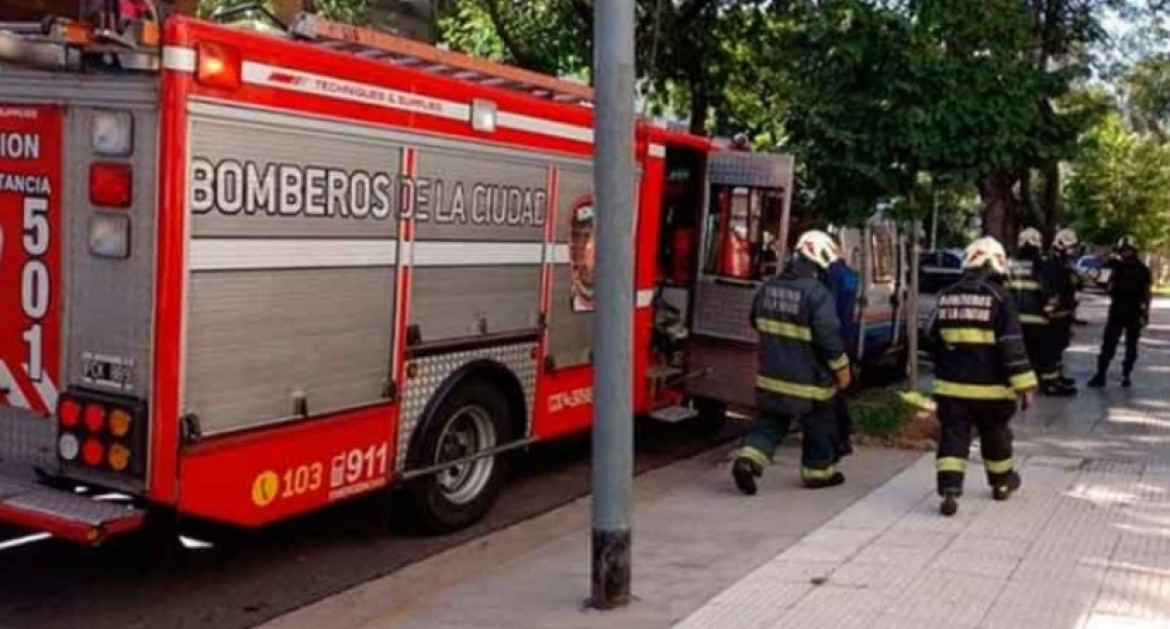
x=64 y=514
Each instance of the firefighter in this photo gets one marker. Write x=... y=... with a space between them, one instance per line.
x=802 y=368
x=1065 y=248
x=1130 y=291
x=1032 y=286
x=981 y=370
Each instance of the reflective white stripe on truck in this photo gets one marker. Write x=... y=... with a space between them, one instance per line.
x=179 y=59
x=8 y=382
x=234 y=254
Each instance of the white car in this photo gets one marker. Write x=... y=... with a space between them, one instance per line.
x=1093 y=272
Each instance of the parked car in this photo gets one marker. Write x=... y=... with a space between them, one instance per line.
x=1092 y=272
x=938 y=269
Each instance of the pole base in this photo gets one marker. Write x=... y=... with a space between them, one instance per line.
x=611 y=569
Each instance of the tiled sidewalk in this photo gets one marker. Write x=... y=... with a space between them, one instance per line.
x=1084 y=545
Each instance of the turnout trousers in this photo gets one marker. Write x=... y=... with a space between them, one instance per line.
x=1062 y=329
x=1044 y=351
x=990 y=418
x=1120 y=321
x=819 y=445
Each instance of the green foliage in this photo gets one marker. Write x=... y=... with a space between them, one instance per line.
x=882 y=93
x=547 y=36
x=1121 y=185
x=1147 y=92
x=878 y=414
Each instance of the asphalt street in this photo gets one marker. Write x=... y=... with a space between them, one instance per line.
x=244 y=578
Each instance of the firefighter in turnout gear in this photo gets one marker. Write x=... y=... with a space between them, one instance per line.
x=1065 y=249
x=802 y=368
x=1130 y=292
x=981 y=370
x=1032 y=286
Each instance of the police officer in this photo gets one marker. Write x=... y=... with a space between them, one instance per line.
x=802 y=368
x=1065 y=249
x=1130 y=291
x=1031 y=285
x=981 y=370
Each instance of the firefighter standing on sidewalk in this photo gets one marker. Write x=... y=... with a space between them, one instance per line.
x=1130 y=292
x=1065 y=247
x=1032 y=286
x=982 y=371
x=802 y=368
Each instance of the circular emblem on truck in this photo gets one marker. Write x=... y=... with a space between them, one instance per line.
x=581 y=254
x=265 y=489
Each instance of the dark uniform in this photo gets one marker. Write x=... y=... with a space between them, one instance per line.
x=1130 y=285
x=800 y=351
x=981 y=366
x=843 y=284
x=1031 y=285
x=1064 y=314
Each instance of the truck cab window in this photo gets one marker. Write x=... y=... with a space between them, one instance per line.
x=743 y=225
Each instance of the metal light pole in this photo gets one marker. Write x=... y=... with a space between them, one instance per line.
x=613 y=184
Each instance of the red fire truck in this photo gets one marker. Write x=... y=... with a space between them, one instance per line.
x=245 y=276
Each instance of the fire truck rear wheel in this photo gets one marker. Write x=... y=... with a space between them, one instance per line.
x=473 y=418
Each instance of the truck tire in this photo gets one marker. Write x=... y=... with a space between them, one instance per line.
x=472 y=418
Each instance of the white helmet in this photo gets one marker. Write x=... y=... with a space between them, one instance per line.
x=1031 y=237
x=986 y=253
x=818 y=247
x=1065 y=241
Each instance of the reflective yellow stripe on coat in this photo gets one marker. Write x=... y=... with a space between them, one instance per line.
x=784 y=329
x=968 y=336
x=792 y=389
x=1024 y=285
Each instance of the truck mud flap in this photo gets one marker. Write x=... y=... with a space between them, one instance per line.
x=64 y=514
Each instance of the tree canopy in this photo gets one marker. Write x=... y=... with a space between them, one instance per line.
x=876 y=97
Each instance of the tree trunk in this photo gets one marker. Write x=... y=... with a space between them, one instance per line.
x=1051 y=206
x=1029 y=211
x=700 y=108
x=1001 y=205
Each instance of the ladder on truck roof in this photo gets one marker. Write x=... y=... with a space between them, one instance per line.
x=399 y=51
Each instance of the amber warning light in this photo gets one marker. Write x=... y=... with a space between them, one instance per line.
x=218 y=66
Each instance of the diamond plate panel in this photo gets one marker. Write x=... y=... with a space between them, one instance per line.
x=72 y=507
x=433 y=371
x=751 y=169
x=26 y=437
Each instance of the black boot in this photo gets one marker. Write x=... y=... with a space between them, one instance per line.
x=1126 y=382
x=1056 y=389
x=745 y=472
x=950 y=502
x=1007 y=487
x=821 y=483
x=1098 y=381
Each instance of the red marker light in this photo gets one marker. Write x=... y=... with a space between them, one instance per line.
x=69 y=414
x=95 y=417
x=111 y=185
x=92 y=452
